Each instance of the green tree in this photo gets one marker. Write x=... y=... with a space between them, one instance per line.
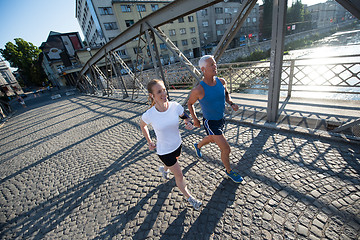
x=24 y=56
x=295 y=14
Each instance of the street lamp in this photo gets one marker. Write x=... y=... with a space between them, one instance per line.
x=89 y=50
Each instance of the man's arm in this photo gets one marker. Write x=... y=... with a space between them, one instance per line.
x=228 y=99
x=193 y=97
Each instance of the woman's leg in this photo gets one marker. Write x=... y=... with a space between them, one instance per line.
x=179 y=179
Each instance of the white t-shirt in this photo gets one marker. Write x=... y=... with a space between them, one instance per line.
x=166 y=127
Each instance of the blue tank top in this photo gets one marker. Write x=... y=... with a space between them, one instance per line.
x=213 y=103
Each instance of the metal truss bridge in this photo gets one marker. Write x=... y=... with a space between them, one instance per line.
x=93 y=79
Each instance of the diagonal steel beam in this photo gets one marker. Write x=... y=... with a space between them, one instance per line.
x=164 y=15
x=131 y=74
x=234 y=27
x=353 y=6
x=177 y=52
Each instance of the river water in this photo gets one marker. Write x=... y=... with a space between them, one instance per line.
x=343 y=43
x=321 y=64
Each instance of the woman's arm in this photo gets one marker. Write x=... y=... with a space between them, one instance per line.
x=187 y=120
x=146 y=134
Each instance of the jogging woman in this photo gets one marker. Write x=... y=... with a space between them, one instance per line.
x=163 y=116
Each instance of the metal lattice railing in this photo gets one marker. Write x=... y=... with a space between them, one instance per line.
x=333 y=75
x=336 y=75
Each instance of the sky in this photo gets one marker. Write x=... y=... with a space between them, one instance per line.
x=32 y=20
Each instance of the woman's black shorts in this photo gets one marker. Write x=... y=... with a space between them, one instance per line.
x=170 y=158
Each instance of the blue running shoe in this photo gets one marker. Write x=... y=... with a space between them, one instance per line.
x=235 y=177
x=197 y=150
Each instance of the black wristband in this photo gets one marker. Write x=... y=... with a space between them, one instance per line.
x=184 y=116
x=232 y=103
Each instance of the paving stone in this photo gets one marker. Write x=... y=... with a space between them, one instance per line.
x=80 y=168
x=302 y=230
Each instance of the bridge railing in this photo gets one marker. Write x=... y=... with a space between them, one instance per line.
x=337 y=75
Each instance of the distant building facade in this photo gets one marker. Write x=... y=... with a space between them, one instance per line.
x=97 y=21
x=8 y=83
x=59 y=53
x=327 y=14
x=115 y=16
x=213 y=22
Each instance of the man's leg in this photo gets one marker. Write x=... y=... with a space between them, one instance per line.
x=206 y=140
x=224 y=146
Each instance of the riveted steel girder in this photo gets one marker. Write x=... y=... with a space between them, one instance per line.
x=234 y=27
x=353 y=6
x=166 y=14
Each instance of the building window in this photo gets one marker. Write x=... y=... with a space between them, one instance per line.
x=125 y=8
x=192 y=30
x=227 y=10
x=184 y=42
x=110 y=26
x=227 y=20
x=129 y=23
x=163 y=46
x=205 y=23
x=204 y=12
x=181 y=20
x=218 y=10
x=141 y=8
x=219 y=22
x=219 y=32
x=193 y=40
x=60 y=68
x=105 y=11
x=154 y=7
x=205 y=35
x=175 y=43
x=182 y=31
x=172 y=32
x=191 y=18
x=137 y=50
x=189 y=53
x=254 y=20
x=122 y=52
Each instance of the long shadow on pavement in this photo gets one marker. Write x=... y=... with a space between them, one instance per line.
x=119 y=223
x=39 y=141
x=45 y=217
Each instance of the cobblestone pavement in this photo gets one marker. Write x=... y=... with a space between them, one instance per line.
x=79 y=168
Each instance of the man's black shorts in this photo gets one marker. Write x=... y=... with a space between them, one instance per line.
x=214 y=127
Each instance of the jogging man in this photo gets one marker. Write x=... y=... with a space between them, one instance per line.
x=212 y=94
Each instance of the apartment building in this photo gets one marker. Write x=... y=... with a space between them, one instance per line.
x=58 y=54
x=214 y=21
x=183 y=32
x=102 y=20
x=8 y=83
x=327 y=13
x=97 y=21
